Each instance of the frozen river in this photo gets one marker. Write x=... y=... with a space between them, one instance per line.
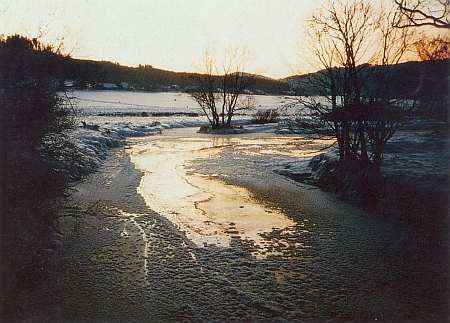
x=207 y=209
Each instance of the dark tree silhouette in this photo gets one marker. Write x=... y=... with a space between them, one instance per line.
x=419 y=13
x=347 y=37
x=220 y=87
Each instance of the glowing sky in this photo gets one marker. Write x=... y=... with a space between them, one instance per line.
x=168 y=34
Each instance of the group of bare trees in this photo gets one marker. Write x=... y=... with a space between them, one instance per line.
x=356 y=44
x=221 y=85
x=348 y=39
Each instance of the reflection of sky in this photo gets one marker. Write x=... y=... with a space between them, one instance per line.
x=207 y=210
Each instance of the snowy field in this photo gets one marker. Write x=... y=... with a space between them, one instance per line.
x=136 y=111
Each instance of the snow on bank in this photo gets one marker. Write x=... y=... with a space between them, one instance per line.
x=413 y=186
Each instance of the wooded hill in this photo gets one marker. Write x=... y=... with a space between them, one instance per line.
x=148 y=78
x=20 y=56
x=426 y=80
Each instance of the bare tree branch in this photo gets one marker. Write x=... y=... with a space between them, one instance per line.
x=219 y=88
x=419 y=13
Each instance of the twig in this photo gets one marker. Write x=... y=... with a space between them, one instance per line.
x=328 y=147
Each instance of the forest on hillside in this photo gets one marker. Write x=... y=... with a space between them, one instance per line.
x=424 y=80
x=411 y=80
x=83 y=74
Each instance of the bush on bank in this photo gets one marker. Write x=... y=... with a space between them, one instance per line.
x=35 y=177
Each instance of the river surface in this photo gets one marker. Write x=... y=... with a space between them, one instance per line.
x=295 y=251
x=207 y=209
x=215 y=234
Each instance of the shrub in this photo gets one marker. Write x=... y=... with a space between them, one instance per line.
x=266 y=116
x=33 y=122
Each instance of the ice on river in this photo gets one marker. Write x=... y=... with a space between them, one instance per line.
x=115 y=117
x=208 y=210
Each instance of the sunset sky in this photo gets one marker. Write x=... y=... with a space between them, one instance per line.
x=168 y=34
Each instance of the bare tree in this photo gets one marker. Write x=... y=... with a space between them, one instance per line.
x=221 y=84
x=205 y=93
x=340 y=36
x=348 y=38
x=435 y=48
x=386 y=114
x=418 y=13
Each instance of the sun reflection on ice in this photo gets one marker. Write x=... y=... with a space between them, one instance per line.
x=207 y=210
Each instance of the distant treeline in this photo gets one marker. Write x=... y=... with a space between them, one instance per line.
x=426 y=80
x=79 y=73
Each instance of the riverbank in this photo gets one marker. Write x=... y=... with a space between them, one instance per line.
x=410 y=188
x=120 y=261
